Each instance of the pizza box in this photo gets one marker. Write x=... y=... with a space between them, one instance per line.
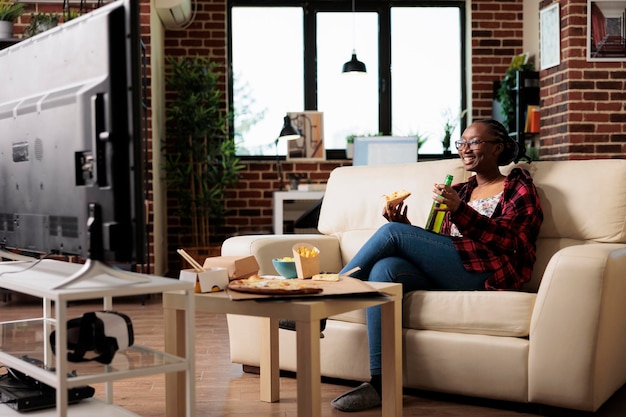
x=238 y=266
x=209 y=280
x=345 y=287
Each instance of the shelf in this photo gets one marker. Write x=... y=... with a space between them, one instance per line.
x=25 y=344
x=91 y=407
x=29 y=339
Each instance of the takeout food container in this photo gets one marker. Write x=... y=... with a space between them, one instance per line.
x=307 y=259
x=238 y=267
x=209 y=280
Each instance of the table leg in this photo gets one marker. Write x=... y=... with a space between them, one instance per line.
x=278 y=215
x=391 y=334
x=175 y=345
x=308 y=373
x=269 y=360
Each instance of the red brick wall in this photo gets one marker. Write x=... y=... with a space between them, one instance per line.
x=583 y=113
x=250 y=201
x=496 y=37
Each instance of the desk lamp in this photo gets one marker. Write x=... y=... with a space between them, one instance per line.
x=288 y=131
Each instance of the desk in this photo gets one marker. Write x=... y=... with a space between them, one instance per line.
x=307 y=314
x=279 y=200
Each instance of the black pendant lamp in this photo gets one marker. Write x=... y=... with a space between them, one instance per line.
x=354 y=65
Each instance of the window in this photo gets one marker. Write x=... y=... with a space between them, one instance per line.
x=349 y=101
x=426 y=64
x=287 y=57
x=267 y=67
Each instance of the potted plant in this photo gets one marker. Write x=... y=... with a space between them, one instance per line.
x=350 y=146
x=421 y=140
x=450 y=123
x=199 y=156
x=41 y=22
x=506 y=91
x=9 y=12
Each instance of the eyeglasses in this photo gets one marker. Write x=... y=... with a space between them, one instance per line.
x=473 y=144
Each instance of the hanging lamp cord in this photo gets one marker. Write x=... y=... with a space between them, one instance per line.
x=353 y=28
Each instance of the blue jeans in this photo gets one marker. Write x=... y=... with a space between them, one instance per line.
x=414 y=257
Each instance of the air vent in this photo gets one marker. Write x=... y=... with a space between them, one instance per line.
x=64 y=226
x=38 y=149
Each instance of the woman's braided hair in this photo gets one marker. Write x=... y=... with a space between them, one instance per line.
x=513 y=151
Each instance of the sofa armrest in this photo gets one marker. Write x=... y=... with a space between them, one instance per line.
x=267 y=247
x=577 y=353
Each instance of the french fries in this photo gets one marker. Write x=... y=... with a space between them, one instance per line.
x=305 y=252
x=307 y=259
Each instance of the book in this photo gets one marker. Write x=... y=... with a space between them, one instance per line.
x=532 y=119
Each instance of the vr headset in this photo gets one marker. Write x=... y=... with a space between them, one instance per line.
x=100 y=332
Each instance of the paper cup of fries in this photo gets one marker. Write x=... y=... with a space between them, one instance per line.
x=307 y=259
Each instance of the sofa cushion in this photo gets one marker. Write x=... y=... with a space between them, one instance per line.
x=581 y=207
x=354 y=195
x=493 y=313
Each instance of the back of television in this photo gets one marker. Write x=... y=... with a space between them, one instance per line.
x=57 y=156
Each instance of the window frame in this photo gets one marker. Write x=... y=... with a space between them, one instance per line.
x=312 y=7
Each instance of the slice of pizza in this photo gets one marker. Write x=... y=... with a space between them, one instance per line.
x=326 y=277
x=260 y=285
x=396 y=197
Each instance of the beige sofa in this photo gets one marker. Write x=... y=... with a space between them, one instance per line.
x=560 y=342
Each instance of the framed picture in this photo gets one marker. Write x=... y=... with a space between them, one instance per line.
x=550 y=38
x=310 y=144
x=606 y=23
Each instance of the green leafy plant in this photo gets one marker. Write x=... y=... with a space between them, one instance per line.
x=10 y=11
x=421 y=139
x=350 y=138
x=41 y=22
x=506 y=92
x=200 y=157
x=450 y=123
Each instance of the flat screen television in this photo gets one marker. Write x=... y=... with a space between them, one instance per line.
x=70 y=139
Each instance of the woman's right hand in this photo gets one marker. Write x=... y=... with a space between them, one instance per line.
x=396 y=213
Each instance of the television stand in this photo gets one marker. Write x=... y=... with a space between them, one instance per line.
x=30 y=337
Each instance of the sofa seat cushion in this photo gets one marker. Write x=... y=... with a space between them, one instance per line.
x=493 y=313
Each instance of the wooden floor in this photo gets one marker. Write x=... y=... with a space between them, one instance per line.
x=223 y=389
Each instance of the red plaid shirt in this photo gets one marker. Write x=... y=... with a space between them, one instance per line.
x=504 y=243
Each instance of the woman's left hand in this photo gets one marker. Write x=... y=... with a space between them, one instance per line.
x=445 y=194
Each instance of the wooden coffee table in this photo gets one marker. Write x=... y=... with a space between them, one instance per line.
x=307 y=313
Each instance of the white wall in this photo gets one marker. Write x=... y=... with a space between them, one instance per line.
x=531 y=30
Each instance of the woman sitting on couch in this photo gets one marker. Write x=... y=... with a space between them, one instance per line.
x=487 y=241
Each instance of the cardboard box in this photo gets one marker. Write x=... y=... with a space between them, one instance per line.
x=238 y=266
x=209 y=280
